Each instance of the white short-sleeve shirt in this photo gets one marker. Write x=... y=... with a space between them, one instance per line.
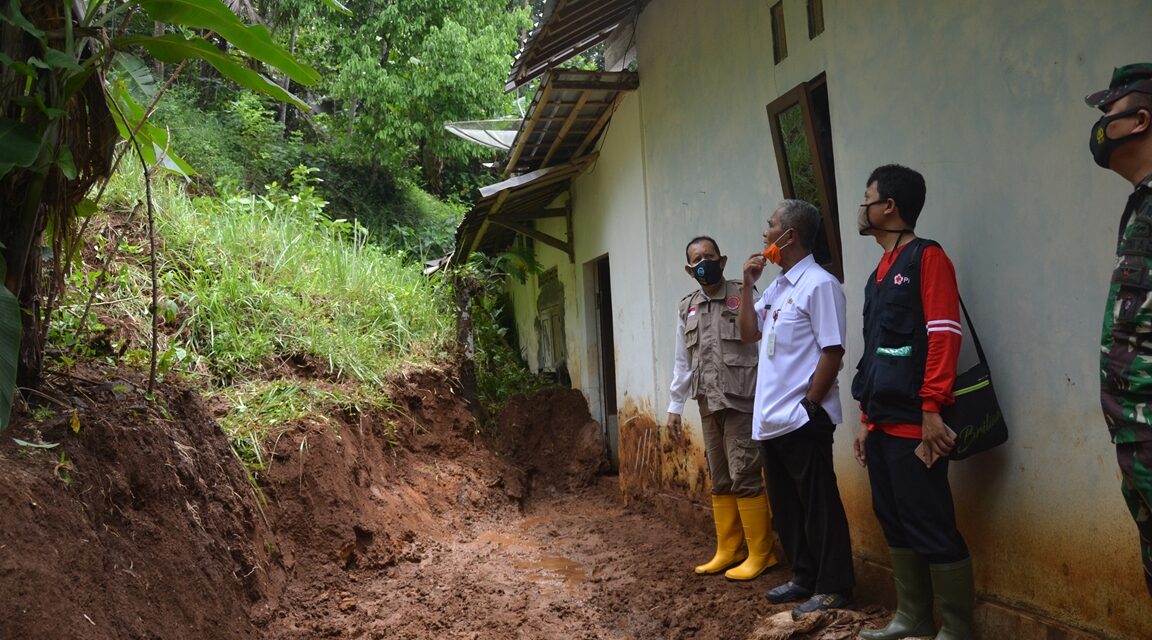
x=800 y=313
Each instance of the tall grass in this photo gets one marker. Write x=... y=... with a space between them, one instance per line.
x=251 y=281
x=270 y=275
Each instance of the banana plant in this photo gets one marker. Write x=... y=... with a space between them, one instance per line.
x=61 y=117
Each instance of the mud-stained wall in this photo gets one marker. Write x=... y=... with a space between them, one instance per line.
x=985 y=99
x=651 y=460
x=973 y=94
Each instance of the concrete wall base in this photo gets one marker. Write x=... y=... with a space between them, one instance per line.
x=874 y=585
x=993 y=619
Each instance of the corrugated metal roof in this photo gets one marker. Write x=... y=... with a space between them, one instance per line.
x=572 y=27
x=566 y=117
x=507 y=206
x=555 y=143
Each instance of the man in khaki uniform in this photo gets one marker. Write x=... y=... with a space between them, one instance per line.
x=719 y=371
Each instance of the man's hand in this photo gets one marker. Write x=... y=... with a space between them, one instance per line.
x=858 y=445
x=753 y=267
x=937 y=436
x=674 y=427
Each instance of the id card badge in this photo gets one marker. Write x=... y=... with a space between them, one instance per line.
x=771 y=343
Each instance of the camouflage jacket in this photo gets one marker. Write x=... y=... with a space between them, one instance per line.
x=1126 y=338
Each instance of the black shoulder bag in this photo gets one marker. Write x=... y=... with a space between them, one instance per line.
x=975 y=416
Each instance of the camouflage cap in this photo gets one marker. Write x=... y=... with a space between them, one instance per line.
x=1125 y=80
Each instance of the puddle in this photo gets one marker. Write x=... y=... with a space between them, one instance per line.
x=542 y=568
x=551 y=568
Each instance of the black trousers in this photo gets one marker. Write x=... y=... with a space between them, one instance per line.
x=913 y=502
x=806 y=508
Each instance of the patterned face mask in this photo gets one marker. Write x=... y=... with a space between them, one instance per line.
x=1101 y=146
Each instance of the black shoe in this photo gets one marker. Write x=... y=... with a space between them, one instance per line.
x=787 y=592
x=821 y=602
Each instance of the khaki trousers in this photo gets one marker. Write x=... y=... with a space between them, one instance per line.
x=733 y=457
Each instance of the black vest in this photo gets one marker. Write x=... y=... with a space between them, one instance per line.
x=891 y=370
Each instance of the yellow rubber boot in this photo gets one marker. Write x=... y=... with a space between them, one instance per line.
x=729 y=536
x=757 y=521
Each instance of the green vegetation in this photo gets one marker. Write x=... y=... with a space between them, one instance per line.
x=250 y=282
x=500 y=369
x=59 y=120
x=315 y=178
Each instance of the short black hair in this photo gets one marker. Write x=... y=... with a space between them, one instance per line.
x=700 y=239
x=905 y=186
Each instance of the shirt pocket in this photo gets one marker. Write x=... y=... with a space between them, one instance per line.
x=898 y=322
x=692 y=330
x=1132 y=297
x=740 y=359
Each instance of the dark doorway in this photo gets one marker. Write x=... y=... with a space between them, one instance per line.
x=607 y=359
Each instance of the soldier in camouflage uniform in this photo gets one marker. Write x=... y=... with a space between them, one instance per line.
x=1121 y=142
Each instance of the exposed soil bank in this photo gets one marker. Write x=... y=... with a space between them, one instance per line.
x=406 y=524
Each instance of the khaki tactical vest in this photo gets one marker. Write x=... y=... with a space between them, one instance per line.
x=723 y=368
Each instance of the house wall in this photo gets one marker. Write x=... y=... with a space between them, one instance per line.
x=610 y=221
x=985 y=99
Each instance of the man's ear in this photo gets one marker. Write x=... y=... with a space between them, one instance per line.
x=688 y=270
x=891 y=211
x=1144 y=120
x=723 y=261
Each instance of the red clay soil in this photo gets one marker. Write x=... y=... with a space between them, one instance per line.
x=408 y=524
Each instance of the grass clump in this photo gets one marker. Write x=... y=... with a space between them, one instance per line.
x=267 y=275
x=248 y=283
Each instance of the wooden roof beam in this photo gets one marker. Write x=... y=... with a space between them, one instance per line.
x=564 y=129
x=566 y=247
x=527 y=131
x=484 y=226
x=604 y=118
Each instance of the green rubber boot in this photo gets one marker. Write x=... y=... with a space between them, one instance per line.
x=955 y=597
x=913 y=599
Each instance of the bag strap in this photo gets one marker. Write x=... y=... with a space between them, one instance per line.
x=972 y=329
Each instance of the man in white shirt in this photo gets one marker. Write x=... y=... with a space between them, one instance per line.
x=799 y=322
x=716 y=368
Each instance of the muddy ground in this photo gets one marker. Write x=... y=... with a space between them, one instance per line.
x=407 y=524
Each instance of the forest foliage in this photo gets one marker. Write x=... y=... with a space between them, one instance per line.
x=332 y=110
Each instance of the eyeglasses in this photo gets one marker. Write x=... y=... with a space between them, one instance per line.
x=865 y=205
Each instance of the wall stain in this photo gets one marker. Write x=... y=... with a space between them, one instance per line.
x=651 y=461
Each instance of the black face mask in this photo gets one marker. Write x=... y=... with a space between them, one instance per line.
x=1101 y=145
x=708 y=272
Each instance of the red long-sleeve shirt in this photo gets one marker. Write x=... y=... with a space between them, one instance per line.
x=941 y=300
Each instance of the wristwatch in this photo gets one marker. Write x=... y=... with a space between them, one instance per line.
x=811 y=407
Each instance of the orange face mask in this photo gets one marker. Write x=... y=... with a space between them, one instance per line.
x=772 y=252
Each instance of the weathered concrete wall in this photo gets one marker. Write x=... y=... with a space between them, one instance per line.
x=985 y=99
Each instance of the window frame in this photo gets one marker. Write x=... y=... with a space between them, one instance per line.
x=779 y=32
x=825 y=184
x=815 y=18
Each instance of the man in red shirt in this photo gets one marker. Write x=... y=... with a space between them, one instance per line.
x=905 y=375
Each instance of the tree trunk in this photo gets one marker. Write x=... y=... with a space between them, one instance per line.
x=466 y=344
x=31 y=363
x=287 y=84
x=22 y=257
x=432 y=167
x=158 y=66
